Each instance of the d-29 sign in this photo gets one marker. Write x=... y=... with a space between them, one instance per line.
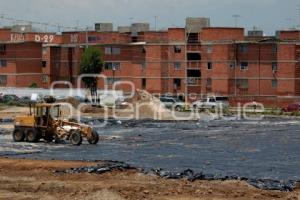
x=44 y=38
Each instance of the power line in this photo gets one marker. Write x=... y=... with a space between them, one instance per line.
x=46 y=25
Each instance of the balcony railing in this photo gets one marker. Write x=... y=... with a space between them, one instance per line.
x=194 y=81
x=194 y=64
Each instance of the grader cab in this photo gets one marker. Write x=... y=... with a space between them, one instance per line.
x=44 y=122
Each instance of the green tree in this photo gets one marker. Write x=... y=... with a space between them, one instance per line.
x=91 y=63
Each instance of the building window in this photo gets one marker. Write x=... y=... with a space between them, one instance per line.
x=177 y=49
x=2 y=48
x=274 y=83
x=45 y=78
x=242 y=83
x=232 y=65
x=243 y=48
x=244 y=65
x=134 y=39
x=208 y=82
x=209 y=66
x=112 y=51
x=177 y=83
x=194 y=56
x=108 y=51
x=209 y=49
x=274 y=48
x=116 y=51
x=44 y=64
x=3 y=63
x=274 y=66
x=3 y=79
x=177 y=65
x=193 y=37
x=112 y=66
x=92 y=38
x=144 y=83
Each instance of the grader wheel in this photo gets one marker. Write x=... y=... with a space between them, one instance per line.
x=48 y=137
x=32 y=136
x=76 y=138
x=18 y=135
x=94 y=139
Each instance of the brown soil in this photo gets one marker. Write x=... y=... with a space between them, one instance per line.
x=27 y=179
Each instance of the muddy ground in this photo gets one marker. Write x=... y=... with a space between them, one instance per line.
x=28 y=179
x=267 y=149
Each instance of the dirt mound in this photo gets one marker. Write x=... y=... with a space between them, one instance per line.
x=74 y=102
x=147 y=106
x=142 y=106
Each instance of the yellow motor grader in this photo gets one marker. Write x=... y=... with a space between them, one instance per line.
x=44 y=122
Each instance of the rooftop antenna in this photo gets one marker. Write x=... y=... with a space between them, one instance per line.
x=46 y=27
x=289 y=22
x=59 y=28
x=77 y=24
x=236 y=19
x=130 y=20
x=2 y=19
x=299 y=16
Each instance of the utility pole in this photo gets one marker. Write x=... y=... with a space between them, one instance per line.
x=86 y=37
x=155 y=23
x=236 y=18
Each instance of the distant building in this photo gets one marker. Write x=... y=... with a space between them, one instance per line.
x=104 y=27
x=195 y=25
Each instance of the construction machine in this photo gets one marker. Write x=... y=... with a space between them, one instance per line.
x=44 y=122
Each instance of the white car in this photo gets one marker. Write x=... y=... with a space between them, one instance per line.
x=211 y=103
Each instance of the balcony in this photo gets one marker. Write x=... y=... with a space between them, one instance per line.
x=193 y=64
x=194 y=81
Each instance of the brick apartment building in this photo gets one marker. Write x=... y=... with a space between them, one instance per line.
x=215 y=60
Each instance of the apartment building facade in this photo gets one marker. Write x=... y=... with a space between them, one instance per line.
x=213 y=60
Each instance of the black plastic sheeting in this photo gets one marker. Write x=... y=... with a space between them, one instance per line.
x=188 y=174
x=99 y=169
x=261 y=152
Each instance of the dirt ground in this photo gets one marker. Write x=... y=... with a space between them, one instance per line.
x=27 y=179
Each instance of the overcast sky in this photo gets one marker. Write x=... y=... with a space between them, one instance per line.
x=269 y=15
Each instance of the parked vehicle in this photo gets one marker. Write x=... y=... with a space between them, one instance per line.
x=9 y=98
x=292 y=108
x=173 y=103
x=24 y=100
x=211 y=103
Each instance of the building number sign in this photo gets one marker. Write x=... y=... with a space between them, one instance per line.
x=44 y=38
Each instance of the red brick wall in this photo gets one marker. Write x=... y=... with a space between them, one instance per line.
x=289 y=35
x=215 y=34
